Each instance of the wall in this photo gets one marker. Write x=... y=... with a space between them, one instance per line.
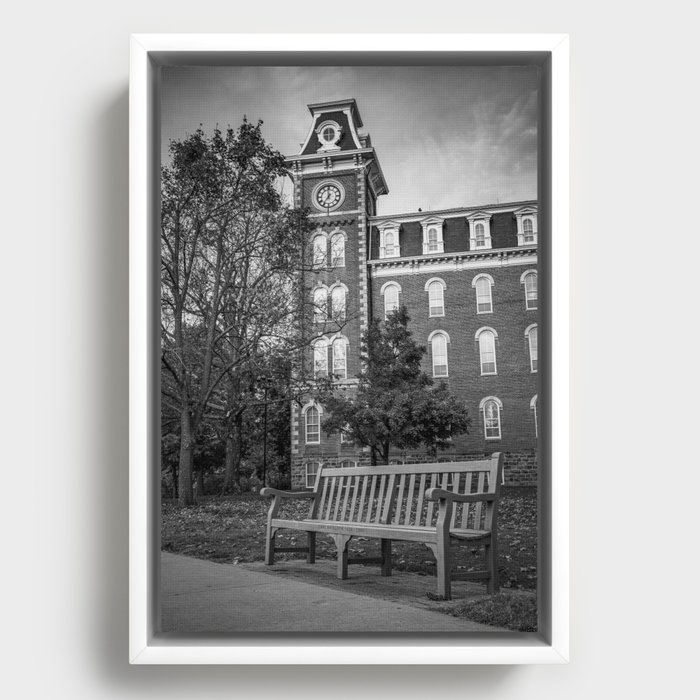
x=65 y=353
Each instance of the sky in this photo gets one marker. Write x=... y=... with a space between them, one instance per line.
x=445 y=136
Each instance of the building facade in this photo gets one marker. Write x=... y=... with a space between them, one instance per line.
x=467 y=276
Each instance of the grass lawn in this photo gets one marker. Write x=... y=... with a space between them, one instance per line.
x=232 y=529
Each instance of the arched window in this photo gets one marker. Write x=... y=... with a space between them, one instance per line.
x=338 y=303
x=480 y=235
x=338 y=250
x=436 y=299
x=320 y=358
x=531 y=335
x=433 y=240
x=391 y=292
x=529 y=281
x=533 y=406
x=483 y=284
x=389 y=244
x=311 y=472
x=438 y=346
x=348 y=464
x=320 y=245
x=312 y=419
x=486 y=338
x=491 y=415
x=340 y=358
x=528 y=231
x=320 y=304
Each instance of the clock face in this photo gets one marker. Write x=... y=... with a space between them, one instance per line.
x=327 y=196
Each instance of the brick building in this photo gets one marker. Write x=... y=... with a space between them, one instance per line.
x=468 y=277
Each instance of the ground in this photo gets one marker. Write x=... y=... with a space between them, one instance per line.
x=232 y=529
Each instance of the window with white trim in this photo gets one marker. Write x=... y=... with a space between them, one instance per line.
x=479 y=231
x=486 y=337
x=312 y=419
x=528 y=230
x=311 y=473
x=533 y=406
x=526 y=219
x=348 y=464
x=389 y=242
x=491 y=415
x=338 y=303
x=479 y=236
x=438 y=346
x=319 y=250
x=320 y=304
x=340 y=358
x=529 y=282
x=436 y=297
x=433 y=242
x=389 y=245
x=484 y=302
x=531 y=335
x=345 y=435
x=391 y=298
x=338 y=250
x=432 y=236
x=320 y=358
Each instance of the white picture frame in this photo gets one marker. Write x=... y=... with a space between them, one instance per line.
x=551 y=645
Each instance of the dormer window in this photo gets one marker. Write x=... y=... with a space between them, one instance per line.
x=526 y=218
x=479 y=231
x=328 y=134
x=432 y=236
x=389 y=243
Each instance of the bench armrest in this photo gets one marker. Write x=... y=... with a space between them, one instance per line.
x=268 y=492
x=437 y=494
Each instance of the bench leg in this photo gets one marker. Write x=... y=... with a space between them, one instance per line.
x=311 y=554
x=491 y=553
x=270 y=546
x=386 y=557
x=444 y=567
x=341 y=542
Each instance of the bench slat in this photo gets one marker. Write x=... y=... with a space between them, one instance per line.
x=355 y=489
x=431 y=504
x=388 y=499
x=478 y=506
x=370 y=500
x=396 y=515
x=330 y=498
x=362 y=500
x=421 y=495
x=409 y=499
x=347 y=482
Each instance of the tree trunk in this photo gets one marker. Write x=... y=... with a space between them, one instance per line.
x=173 y=469
x=200 y=482
x=234 y=442
x=185 y=492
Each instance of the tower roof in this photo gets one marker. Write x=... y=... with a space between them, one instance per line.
x=337 y=105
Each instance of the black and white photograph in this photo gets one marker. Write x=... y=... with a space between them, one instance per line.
x=350 y=391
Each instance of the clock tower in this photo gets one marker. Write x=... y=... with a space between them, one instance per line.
x=337 y=177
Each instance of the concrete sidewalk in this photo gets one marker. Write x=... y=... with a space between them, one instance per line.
x=202 y=596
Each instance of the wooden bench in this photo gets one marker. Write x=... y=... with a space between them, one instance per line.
x=430 y=503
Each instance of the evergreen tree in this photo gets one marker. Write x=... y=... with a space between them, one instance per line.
x=396 y=404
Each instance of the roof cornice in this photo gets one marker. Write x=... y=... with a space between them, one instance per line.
x=456 y=212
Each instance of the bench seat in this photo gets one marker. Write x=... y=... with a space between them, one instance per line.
x=407 y=533
x=434 y=504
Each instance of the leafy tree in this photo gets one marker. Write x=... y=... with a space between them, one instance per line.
x=396 y=404
x=231 y=251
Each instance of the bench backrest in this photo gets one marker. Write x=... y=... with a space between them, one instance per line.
x=395 y=494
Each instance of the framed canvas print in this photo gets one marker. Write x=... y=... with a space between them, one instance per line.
x=349 y=349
